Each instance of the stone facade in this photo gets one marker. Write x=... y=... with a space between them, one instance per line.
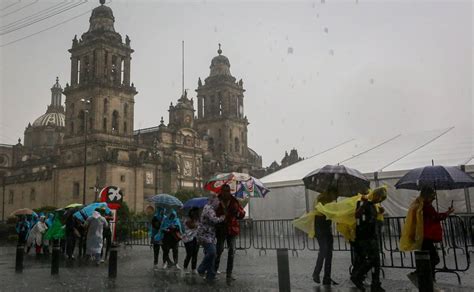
x=97 y=126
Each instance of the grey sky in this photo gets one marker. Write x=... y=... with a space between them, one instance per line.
x=315 y=74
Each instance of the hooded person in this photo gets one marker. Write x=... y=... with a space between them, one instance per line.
x=170 y=235
x=155 y=229
x=22 y=228
x=190 y=240
x=35 y=237
x=95 y=230
x=422 y=229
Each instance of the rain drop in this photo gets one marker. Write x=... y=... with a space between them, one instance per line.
x=372 y=80
x=332 y=123
x=277 y=141
x=323 y=1
x=215 y=28
x=290 y=50
x=326 y=30
x=331 y=52
x=317 y=15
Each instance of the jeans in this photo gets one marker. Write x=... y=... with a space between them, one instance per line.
x=230 y=239
x=70 y=244
x=325 y=241
x=156 y=253
x=166 y=251
x=368 y=252
x=208 y=262
x=192 y=249
x=428 y=245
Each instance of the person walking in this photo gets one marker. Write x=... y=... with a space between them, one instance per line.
x=366 y=243
x=190 y=240
x=95 y=229
x=323 y=233
x=171 y=231
x=22 y=228
x=107 y=235
x=229 y=229
x=35 y=237
x=426 y=233
x=206 y=236
x=155 y=229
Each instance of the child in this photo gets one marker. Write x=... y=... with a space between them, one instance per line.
x=190 y=241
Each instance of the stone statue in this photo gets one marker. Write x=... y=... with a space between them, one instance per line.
x=199 y=82
x=127 y=40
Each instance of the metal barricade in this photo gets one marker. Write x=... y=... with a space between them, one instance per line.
x=275 y=234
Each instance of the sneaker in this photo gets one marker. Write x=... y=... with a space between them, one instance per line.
x=413 y=277
x=177 y=267
x=186 y=271
x=229 y=277
x=102 y=261
x=329 y=282
x=218 y=272
x=358 y=283
x=194 y=272
x=165 y=266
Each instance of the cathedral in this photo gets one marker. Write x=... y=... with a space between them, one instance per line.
x=73 y=150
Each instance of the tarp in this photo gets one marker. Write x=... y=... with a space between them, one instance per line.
x=383 y=160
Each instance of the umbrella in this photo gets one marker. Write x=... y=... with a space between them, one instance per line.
x=437 y=177
x=165 y=199
x=348 y=181
x=24 y=211
x=87 y=211
x=241 y=184
x=73 y=205
x=196 y=202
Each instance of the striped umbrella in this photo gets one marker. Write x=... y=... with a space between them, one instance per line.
x=347 y=181
x=165 y=199
x=242 y=185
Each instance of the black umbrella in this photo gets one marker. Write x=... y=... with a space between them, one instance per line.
x=437 y=177
x=347 y=181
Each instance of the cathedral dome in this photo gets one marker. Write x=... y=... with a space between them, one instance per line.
x=220 y=64
x=102 y=19
x=50 y=119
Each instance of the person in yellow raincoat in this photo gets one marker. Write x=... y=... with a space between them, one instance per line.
x=343 y=213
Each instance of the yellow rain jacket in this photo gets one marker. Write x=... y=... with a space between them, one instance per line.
x=306 y=222
x=343 y=214
x=412 y=232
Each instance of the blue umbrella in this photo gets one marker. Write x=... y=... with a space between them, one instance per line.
x=165 y=199
x=437 y=177
x=196 y=202
x=87 y=211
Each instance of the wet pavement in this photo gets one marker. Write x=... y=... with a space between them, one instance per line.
x=254 y=272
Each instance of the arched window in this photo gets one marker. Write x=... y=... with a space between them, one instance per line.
x=237 y=144
x=125 y=110
x=91 y=123
x=81 y=121
x=125 y=127
x=230 y=134
x=211 y=143
x=104 y=124
x=72 y=109
x=72 y=127
x=115 y=122
x=106 y=105
x=220 y=133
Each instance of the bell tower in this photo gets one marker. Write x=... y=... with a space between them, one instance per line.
x=100 y=89
x=220 y=114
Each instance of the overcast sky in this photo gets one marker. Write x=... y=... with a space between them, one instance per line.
x=316 y=73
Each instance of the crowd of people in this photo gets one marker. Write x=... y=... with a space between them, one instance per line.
x=89 y=235
x=217 y=223
x=359 y=219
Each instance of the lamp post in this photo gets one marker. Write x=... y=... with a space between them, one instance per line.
x=86 y=102
x=156 y=157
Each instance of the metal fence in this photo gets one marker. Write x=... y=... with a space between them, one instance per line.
x=264 y=235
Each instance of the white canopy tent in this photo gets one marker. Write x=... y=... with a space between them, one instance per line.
x=383 y=160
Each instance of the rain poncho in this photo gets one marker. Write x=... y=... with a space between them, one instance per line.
x=306 y=222
x=343 y=213
x=170 y=221
x=95 y=232
x=56 y=231
x=156 y=222
x=36 y=234
x=412 y=232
